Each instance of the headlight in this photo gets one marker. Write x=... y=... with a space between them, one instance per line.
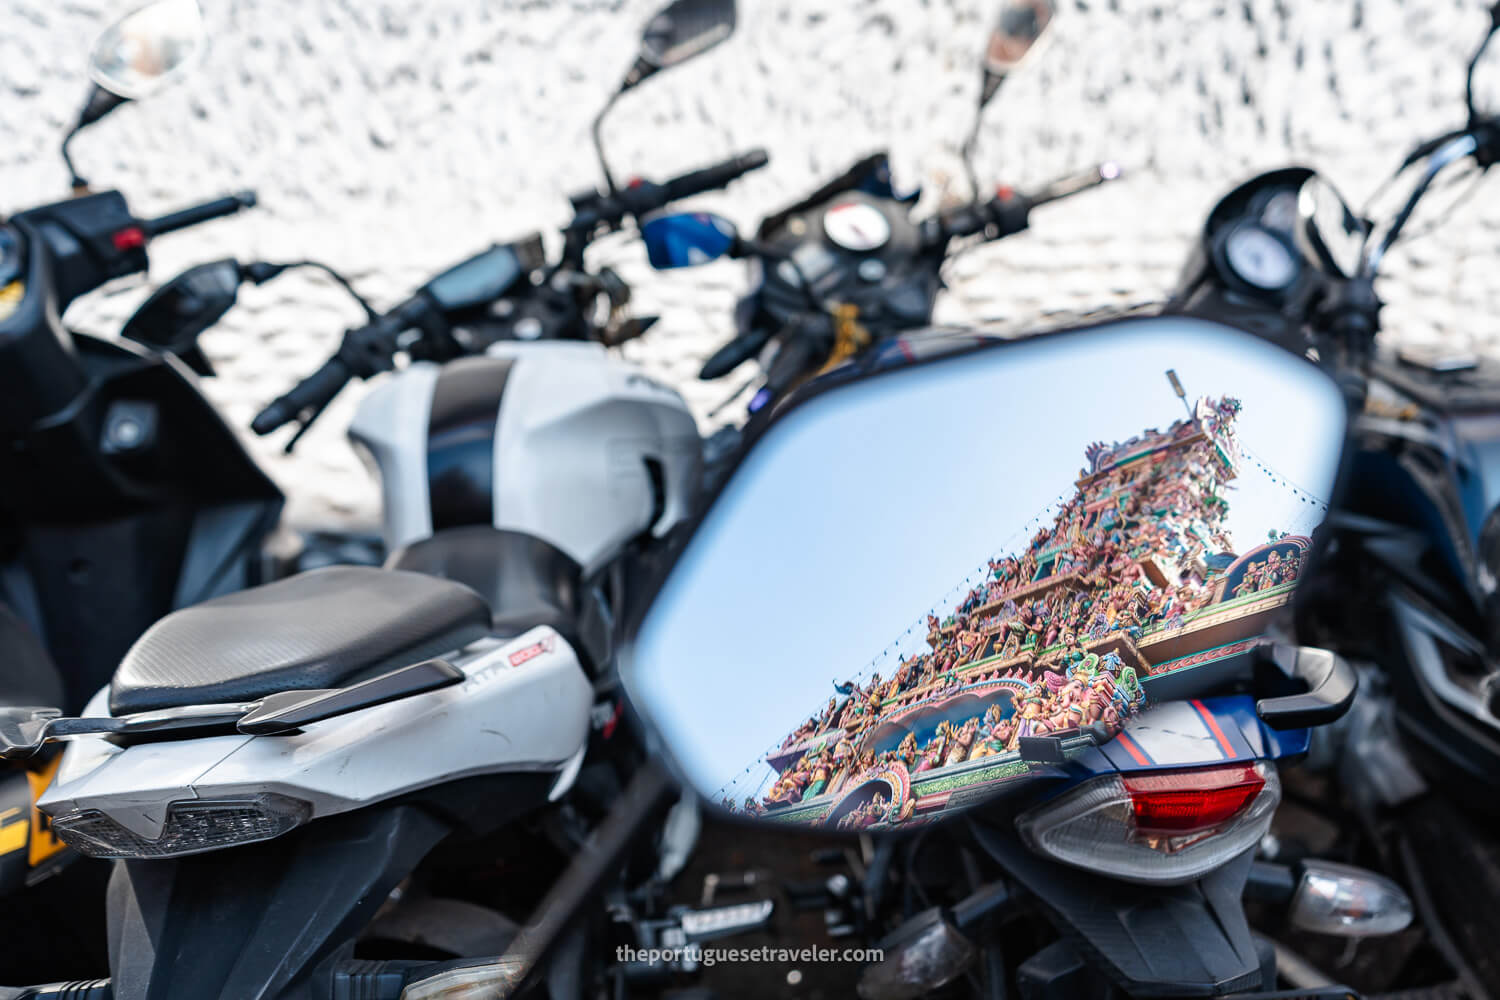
x=192 y=826
x=1160 y=827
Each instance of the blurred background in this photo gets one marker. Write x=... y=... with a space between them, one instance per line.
x=390 y=139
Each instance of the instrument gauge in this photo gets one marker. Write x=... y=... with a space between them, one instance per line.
x=1259 y=258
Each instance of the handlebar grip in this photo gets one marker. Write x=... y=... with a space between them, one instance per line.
x=715 y=177
x=734 y=353
x=1066 y=187
x=206 y=212
x=312 y=393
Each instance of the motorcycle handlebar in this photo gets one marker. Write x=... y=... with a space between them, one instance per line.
x=737 y=351
x=312 y=393
x=1066 y=187
x=205 y=212
x=715 y=177
x=1010 y=212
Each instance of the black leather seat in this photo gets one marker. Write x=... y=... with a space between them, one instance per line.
x=526 y=581
x=318 y=629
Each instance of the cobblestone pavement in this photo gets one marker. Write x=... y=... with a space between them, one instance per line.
x=392 y=138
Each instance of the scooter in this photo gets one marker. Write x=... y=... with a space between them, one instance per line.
x=427 y=711
x=125 y=494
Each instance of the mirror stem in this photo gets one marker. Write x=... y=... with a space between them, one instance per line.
x=989 y=85
x=99 y=103
x=77 y=183
x=597 y=132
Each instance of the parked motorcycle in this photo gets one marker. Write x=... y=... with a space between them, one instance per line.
x=1408 y=586
x=847 y=268
x=125 y=495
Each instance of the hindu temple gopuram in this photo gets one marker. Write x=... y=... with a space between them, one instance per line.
x=1133 y=581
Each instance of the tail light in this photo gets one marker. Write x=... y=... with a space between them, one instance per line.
x=1158 y=827
x=192 y=826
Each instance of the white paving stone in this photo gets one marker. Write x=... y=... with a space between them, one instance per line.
x=391 y=138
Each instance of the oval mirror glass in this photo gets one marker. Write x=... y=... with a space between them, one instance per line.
x=149 y=48
x=1329 y=232
x=920 y=586
x=685 y=29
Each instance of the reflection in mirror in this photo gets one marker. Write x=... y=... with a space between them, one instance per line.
x=686 y=239
x=1330 y=233
x=148 y=48
x=910 y=583
x=685 y=29
x=1017 y=30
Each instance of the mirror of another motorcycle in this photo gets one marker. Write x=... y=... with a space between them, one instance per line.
x=1019 y=28
x=931 y=635
x=687 y=239
x=147 y=50
x=680 y=31
x=1329 y=232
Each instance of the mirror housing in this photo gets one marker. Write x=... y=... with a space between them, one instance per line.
x=678 y=32
x=179 y=311
x=149 y=49
x=687 y=239
x=1328 y=231
x=143 y=52
x=1020 y=25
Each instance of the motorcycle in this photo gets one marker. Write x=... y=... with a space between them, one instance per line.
x=1408 y=589
x=1085 y=854
x=125 y=494
x=1086 y=732
x=445 y=699
x=847 y=268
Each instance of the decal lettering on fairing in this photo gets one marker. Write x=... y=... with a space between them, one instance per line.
x=532 y=651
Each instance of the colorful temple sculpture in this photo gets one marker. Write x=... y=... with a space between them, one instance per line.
x=1134 y=581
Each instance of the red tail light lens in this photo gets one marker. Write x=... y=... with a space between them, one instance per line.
x=1178 y=802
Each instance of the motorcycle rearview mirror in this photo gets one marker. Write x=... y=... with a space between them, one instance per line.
x=1020 y=25
x=138 y=55
x=681 y=30
x=1329 y=232
x=687 y=239
x=180 y=310
x=932 y=633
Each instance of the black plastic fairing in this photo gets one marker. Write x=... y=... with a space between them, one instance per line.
x=271 y=921
x=1160 y=941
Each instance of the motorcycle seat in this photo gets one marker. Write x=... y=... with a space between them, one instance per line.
x=526 y=581
x=318 y=629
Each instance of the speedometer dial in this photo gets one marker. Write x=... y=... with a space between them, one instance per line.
x=1258 y=258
